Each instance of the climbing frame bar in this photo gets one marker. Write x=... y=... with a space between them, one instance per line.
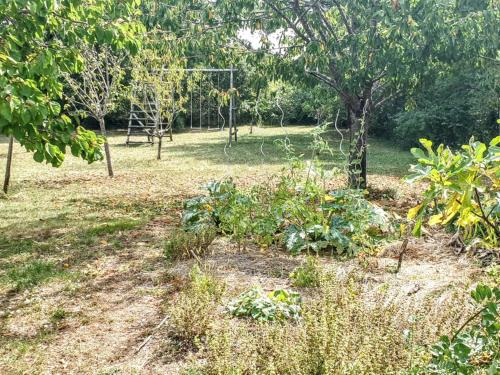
x=143 y=127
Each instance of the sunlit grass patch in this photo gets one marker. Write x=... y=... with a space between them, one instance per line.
x=11 y=247
x=31 y=274
x=113 y=227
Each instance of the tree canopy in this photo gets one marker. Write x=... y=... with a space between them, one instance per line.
x=39 y=41
x=367 y=53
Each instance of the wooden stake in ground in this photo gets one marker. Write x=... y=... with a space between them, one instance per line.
x=404 y=246
x=8 y=165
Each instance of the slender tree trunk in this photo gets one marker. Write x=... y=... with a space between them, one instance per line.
x=8 y=165
x=357 y=151
x=106 y=148
x=158 y=155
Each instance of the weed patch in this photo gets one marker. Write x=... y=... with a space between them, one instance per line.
x=12 y=247
x=307 y=275
x=195 y=307
x=32 y=274
x=185 y=245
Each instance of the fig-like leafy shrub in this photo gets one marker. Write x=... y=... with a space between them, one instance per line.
x=473 y=349
x=463 y=189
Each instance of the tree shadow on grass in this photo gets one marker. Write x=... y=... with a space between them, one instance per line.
x=4 y=140
x=68 y=241
x=250 y=149
x=383 y=158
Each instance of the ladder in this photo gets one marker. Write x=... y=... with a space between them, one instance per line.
x=139 y=124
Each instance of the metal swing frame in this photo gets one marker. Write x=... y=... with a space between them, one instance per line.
x=233 y=130
x=138 y=123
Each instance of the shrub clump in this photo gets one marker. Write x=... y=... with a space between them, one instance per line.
x=195 y=307
x=278 y=305
x=474 y=349
x=307 y=275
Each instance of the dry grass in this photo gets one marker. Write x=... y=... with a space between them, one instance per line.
x=83 y=279
x=353 y=323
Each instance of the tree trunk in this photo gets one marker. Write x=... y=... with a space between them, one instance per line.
x=357 y=151
x=106 y=148
x=8 y=165
x=158 y=156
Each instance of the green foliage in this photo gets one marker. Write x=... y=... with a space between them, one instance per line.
x=307 y=275
x=297 y=213
x=277 y=305
x=450 y=105
x=476 y=349
x=462 y=189
x=185 y=245
x=450 y=109
x=207 y=210
x=344 y=220
x=287 y=101
x=40 y=42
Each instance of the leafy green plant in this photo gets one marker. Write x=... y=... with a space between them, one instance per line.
x=206 y=210
x=463 y=189
x=277 y=305
x=225 y=207
x=297 y=213
x=475 y=349
x=344 y=221
x=306 y=275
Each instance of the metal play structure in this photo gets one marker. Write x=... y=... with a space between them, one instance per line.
x=209 y=105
